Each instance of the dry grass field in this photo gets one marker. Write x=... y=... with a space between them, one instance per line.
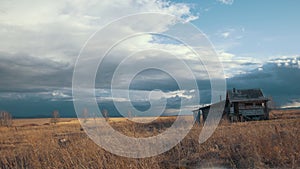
x=34 y=143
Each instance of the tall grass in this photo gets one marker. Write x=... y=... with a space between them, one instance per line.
x=263 y=144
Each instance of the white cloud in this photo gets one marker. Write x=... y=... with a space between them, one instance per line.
x=235 y=33
x=226 y=2
x=225 y=34
x=235 y=65
x=58 y=29
x=291 y=105
x=60 y=94
x=286 y=61
x=179 y=93
x=225 y=56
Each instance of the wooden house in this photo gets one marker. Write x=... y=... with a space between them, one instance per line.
x=240 y=105
x=247 y=104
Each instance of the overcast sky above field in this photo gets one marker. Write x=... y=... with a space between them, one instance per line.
x=257 y=42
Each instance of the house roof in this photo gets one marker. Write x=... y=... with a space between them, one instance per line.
x=220 y=104
x=240 y=95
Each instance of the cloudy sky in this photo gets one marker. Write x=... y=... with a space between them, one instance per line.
x=256 y=41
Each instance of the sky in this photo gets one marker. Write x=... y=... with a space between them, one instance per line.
x=255 y=41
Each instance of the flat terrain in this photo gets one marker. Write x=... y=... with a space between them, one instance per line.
x=35 y=143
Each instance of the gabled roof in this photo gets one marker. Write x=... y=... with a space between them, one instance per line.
x=241 y=95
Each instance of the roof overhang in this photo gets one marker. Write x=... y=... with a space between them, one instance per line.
x=249 y=100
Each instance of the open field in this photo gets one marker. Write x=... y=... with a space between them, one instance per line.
x=34 y=143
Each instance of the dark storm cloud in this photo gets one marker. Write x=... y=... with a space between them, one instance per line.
x=279 y=82
x=249 y=64
x=24 y=72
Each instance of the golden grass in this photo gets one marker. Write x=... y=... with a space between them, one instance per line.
x=258 y=144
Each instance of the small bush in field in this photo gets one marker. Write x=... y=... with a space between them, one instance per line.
x=55 y=117
x=105 y=114
x=85 y=115
x=5 y=119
